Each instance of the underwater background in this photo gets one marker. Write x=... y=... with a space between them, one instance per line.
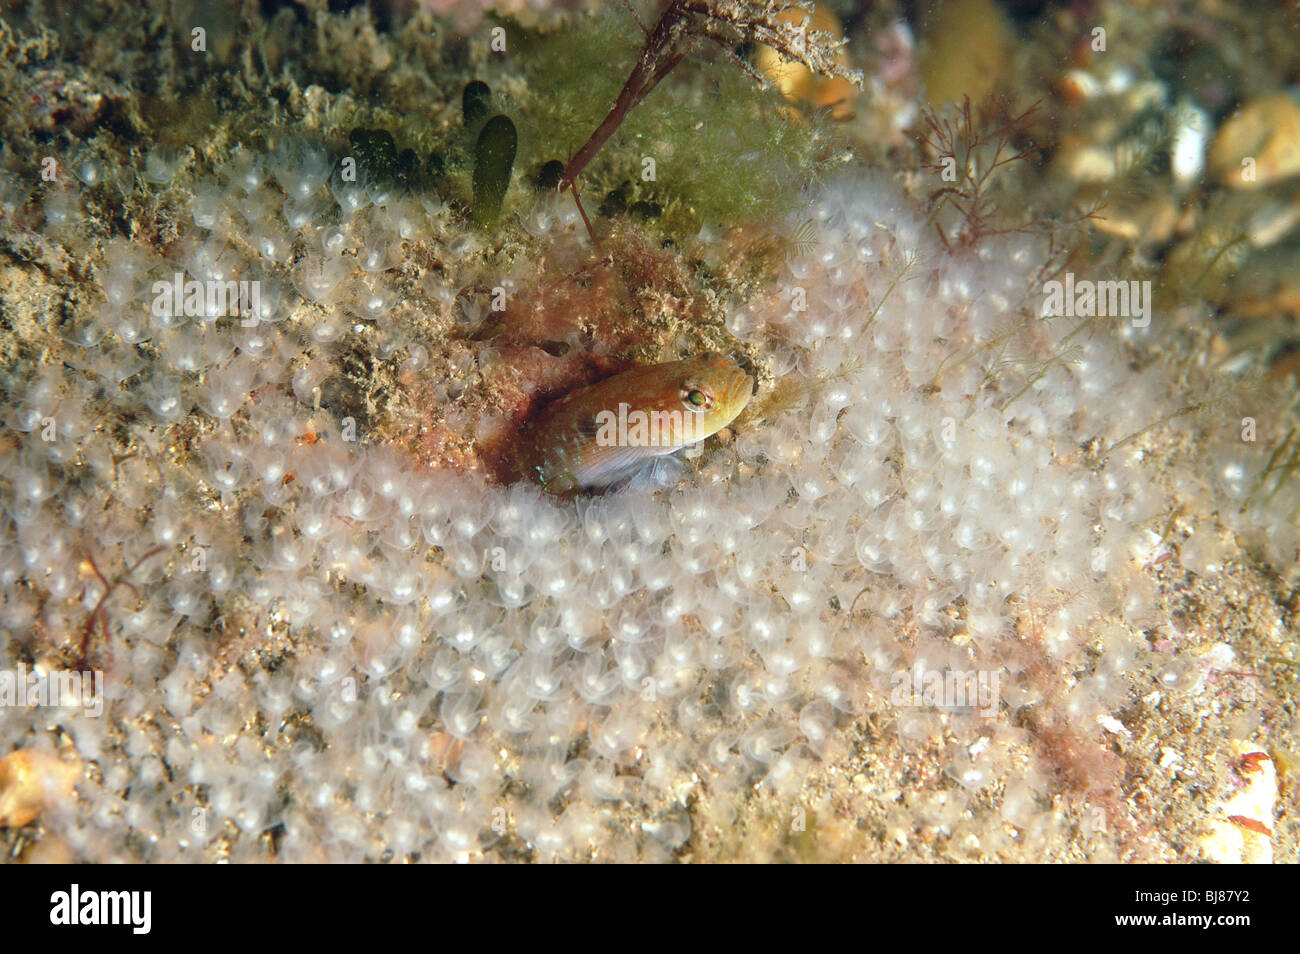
x=987 y=551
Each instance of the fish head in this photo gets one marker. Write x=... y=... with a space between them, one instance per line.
x=700 y=396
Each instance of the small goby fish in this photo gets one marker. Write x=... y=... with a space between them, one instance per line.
x=594 y=437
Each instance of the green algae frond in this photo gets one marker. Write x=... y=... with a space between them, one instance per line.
x=494 y=158
x=706 y=145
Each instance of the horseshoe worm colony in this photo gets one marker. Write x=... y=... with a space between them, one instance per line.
x=996 y=562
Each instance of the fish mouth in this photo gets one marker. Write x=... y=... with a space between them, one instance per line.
x=736 y=387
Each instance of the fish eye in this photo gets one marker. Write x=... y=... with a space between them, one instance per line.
x=696 y=398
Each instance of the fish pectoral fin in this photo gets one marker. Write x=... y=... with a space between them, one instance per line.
x=609 y=465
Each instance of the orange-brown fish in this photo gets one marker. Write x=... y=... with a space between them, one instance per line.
x=594 y=437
